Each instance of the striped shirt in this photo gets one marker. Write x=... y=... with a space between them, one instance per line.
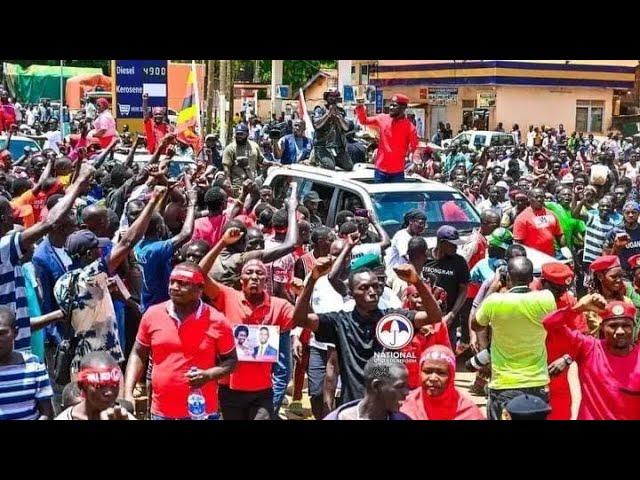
x=21 y=387
x=12 y=288
x=596 y=235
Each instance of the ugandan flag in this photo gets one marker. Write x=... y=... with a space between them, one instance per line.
x=186 y=125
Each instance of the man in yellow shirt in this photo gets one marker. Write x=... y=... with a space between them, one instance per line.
x=518 y=352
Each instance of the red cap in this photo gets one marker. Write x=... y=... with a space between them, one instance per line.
x=605 y=262
x=618 y=309
x=557 y=273
x=400 y=99
x=102 y=102
x=634 y=261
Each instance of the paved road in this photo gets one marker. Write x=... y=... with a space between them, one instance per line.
x=464 y=380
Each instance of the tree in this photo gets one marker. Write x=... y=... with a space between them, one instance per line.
x=295 y=72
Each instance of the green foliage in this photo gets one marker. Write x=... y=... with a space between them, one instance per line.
x=296 y=72
x=103 y=64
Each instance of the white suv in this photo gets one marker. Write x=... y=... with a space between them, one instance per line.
x=478 y=139
x=340 y=190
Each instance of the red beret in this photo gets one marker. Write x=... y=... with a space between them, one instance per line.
x=400 y=99
x=557 y=273
x=634 y=261
x=605 y=262
x=618 y=309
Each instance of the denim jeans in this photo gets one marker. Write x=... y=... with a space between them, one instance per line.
x=498 y=399
x=388 y=177
x=281 y=373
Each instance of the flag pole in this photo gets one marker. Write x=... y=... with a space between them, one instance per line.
x=196 y=93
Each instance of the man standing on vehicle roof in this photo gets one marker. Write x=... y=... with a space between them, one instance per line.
x=155 y=126
x=398 y=138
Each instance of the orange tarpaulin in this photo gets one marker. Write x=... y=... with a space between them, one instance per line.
x=78 y=86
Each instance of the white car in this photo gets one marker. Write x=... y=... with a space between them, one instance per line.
x=478 y=139
x=340 y=190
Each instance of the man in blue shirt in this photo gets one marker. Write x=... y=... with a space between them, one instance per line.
x=295 y=147
x=154 y=254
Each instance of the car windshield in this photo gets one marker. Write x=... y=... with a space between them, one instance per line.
x=441 y=208
x=16 y=147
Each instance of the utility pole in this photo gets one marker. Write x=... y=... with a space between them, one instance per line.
x=276 y=79
x=231 y=74
x=222 y=94
x=211 y=75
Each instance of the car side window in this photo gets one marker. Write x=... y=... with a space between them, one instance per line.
x=348 y=201
x=280 y=187
x=479 y=140
x=325 y=192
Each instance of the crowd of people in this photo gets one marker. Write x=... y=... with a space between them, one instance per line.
x=145 y=292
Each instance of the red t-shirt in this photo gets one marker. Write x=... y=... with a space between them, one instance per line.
x=252 y=376
x=209 y=228
x=438 y=335
x=154 y=133
x=537 y=229
x=398 y=137
x=481 y=251
x=605 y=378
x=196 y=342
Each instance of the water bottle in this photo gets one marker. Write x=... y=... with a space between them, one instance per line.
x=196 y=403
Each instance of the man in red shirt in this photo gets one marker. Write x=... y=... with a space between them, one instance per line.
x=398 y=138
x=557 y=277
x=155 y=129
x=181 y=334
x=609 y=366
x=537 y=227
x=248 y=392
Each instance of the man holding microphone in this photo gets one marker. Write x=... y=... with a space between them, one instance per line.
x=397 y=138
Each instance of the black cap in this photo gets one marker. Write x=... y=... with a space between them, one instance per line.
x=241 y=128
x=82 y=241
x=526 y=406
x=312 y=196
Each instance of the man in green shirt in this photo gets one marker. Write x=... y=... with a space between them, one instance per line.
x=453 y=159
x=572 y=228
x=518 y=352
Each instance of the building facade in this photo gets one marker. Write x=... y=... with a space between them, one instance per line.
x=583 y=95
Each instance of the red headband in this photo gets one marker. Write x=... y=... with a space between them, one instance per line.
x=189 y=276
x=97 y=376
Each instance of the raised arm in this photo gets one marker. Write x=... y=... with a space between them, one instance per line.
x=385 y=241
x=431 y=313
x=132 y=151
x=576 y=212
x=301 y=315
x=46 y=173
x=336 y=273
x=229 y=237
x=187 y=228
x=31 y=235
x=136 y=231
x=290 y=241
x=104 y=154
x=363 y=119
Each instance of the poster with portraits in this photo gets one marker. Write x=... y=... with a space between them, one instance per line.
x=257 y=343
